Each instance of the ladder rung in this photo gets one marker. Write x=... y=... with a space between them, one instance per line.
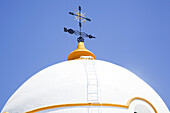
x=92 y=87
x=90 y=73
x=89 y=70
x=92 y=79
x=93 y=93
x=92 y=84
x=93 y=100
x=89 y=66
x=90 y=91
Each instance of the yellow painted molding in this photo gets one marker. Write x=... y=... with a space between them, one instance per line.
x=93 y=104
x=139 y=98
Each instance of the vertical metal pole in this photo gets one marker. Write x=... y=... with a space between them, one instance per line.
x=80 y=19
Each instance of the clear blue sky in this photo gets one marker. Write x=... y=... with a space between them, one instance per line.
x=134 y=34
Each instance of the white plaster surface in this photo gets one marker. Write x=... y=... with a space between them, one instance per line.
x=66 y=83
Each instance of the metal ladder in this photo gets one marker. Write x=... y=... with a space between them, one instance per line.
x=92 y=85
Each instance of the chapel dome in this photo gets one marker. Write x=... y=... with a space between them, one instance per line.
x=65 y=85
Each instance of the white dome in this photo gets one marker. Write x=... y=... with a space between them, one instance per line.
x=66 y=83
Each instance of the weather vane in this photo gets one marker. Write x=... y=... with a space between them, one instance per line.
x=79 y=16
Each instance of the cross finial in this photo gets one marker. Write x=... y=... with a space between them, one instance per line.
x=79 y=16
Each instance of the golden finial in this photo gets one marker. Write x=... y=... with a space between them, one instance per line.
x=81 y=53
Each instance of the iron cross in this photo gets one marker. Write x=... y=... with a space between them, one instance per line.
x=79 y=16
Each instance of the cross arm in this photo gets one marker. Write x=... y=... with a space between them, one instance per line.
x=79 y=15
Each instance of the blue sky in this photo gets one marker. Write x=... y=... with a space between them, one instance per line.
x=134 y=34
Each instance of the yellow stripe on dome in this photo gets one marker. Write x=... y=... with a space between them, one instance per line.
x=94 y=104
x=80 y=51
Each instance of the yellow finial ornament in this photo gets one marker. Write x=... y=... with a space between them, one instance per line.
x=81 y=53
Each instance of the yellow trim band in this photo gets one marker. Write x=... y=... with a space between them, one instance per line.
x=93 y=104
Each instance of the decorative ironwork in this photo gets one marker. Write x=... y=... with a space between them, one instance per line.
x=79 y=16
